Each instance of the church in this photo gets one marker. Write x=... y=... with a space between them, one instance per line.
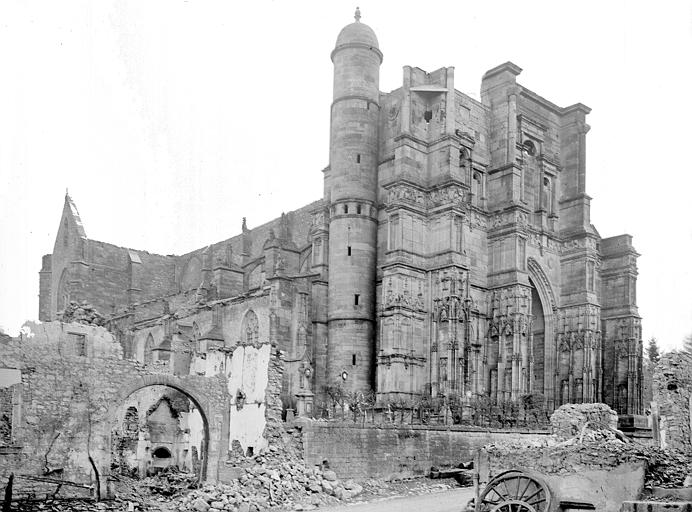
x=452 y=253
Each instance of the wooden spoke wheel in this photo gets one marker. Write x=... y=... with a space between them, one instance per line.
x=514 y=506
x=514 y=491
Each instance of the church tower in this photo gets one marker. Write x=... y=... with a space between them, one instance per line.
x=351 y=192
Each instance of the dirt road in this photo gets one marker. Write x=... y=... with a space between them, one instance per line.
x=446 y=501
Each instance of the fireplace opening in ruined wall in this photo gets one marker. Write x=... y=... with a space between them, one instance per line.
x=158 y=427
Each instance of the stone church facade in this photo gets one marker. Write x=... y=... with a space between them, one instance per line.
x=452 y=253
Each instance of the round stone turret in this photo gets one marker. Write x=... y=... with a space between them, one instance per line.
x=351 y=191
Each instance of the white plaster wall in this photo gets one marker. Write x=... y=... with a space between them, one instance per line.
x=248 y=371
x=9 y=377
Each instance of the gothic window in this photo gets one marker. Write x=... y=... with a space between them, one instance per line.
x=148 y=346
x=164 y=350
x=250 y=328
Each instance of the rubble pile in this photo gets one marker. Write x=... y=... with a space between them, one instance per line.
x=598 y=421
x=81 y=313
x=584 y=436
x=271 y=482
x=170 y=482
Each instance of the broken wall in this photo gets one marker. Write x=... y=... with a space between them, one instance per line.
x=73 y=378
x=672 y=392
x=371 y=451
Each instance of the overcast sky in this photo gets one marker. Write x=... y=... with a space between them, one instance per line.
x=171 y=120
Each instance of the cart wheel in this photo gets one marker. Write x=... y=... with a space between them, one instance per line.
x=514 y=506
x=514 y=491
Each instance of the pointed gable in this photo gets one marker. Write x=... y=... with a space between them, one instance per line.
x=70 y=211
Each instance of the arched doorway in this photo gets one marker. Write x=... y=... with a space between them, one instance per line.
x=538 y=336
x=545 y=351
x=157 y=426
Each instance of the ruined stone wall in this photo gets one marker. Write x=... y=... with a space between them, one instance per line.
x=65 y=389
x=69 y=401
x=672 y=391
x=398 y=451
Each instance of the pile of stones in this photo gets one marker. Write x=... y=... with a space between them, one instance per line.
x=271 y=482
x=81 y=313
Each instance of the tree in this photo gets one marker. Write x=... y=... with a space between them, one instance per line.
x=687 y=343
x=652 y=352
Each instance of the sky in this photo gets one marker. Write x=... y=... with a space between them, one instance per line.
x=170 y=120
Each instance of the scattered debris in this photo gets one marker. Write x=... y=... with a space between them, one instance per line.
x=81 y=313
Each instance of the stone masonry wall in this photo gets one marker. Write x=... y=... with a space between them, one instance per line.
x=360 y=452
x=69 y=402
x=672 y=390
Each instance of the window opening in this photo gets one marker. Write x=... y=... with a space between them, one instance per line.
x=161 y=453
x=357 y=159
x=530 y=147
x=349 y=250
x=345 y=208
x=353 y=359
x=356 y=298
x=79 y=341
x=427 y=116
x=358 y=209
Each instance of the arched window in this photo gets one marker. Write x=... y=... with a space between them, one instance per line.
x=529 y=147
x=250 y=328
x=148 y=346
x=463 y=157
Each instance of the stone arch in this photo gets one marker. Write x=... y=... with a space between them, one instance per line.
x=249 y=330
x=546 y=295
x=205 y=409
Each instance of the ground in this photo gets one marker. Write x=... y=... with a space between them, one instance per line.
x=450 y=500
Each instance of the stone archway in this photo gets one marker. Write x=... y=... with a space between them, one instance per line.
x=544 y=290
x=210 y=452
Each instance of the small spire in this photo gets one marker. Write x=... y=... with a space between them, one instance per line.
x=357 y=15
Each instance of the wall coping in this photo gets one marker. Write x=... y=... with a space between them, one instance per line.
x=310 y=424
